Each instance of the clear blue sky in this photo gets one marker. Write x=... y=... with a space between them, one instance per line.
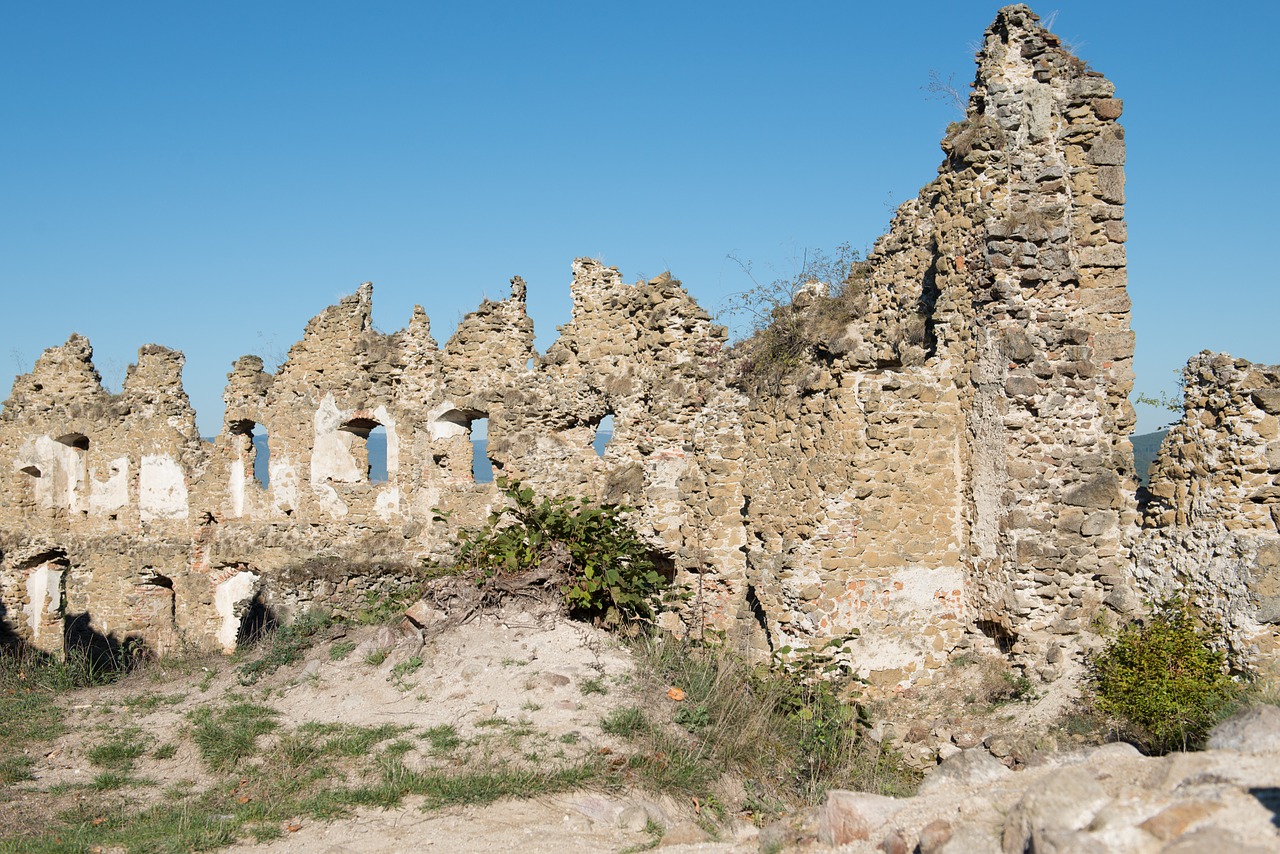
x=208 y=176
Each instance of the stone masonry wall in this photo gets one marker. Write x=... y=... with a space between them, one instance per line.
x=1212 y=522
x=959 y=459
x=948 y=464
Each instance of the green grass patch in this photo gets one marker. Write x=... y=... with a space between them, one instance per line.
x=341 y=650
x=283 y=646
x=120 y=751
x=228 y=736
x=443 y=737
x=795 y=731
x=625 y=721
x=31 y=709
x=151 y=701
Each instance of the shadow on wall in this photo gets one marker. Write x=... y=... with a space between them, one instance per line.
x=257 y=621
x=9 y=639
x=104 y=653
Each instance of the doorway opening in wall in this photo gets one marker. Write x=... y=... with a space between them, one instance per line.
x=481 y=465
x=371 y=451
x=256 y=621
x=604 y=434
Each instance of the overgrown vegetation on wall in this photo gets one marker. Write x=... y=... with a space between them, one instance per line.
x=585 y=550
x=790 y=734
x=791 y=316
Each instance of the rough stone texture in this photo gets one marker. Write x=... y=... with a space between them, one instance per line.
x=1212 y=520
x=853 y=816
x=947 y=465
x=960 y=458
x=1255 y=730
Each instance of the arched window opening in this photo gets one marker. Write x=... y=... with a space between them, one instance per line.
x=481 y=465
x=371 y=451
x=604 y=434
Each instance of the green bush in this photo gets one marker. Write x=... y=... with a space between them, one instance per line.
x=1163 y=683
x=599 y=565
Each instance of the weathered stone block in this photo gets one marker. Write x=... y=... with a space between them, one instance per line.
x=1102 y=492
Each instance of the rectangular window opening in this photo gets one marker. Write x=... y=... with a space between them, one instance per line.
x=481 y=465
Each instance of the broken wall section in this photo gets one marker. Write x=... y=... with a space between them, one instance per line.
x=966 y=432
x=1212 y=519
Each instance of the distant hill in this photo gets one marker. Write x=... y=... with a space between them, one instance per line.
x=1145 y=448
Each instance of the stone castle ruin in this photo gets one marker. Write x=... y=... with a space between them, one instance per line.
x=948 y=466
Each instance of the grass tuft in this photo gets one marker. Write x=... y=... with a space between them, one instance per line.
x=228 y=736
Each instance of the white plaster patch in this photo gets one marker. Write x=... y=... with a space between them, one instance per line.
x=329 y=500
x=284 y=484
x=331 y=457
x=61 y=473
x=44 y=607
x=112 y=493
x=387 y=504
x=227 y=596
x=445 y=422
x=162 y=488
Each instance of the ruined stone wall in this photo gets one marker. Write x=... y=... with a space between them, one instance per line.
x=959 y=457
x=1212 y=522
x=117 y=514
x=948 y=460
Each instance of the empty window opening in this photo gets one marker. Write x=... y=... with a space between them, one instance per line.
x=32 y=470
x=376 y=445
x=481 y=465
x=371 y=452
x=999 y=633
x=259 y=445
x=261 y=456
x=604 y=434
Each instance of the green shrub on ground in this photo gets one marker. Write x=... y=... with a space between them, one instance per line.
x=599 y=565
x=1162 y=682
